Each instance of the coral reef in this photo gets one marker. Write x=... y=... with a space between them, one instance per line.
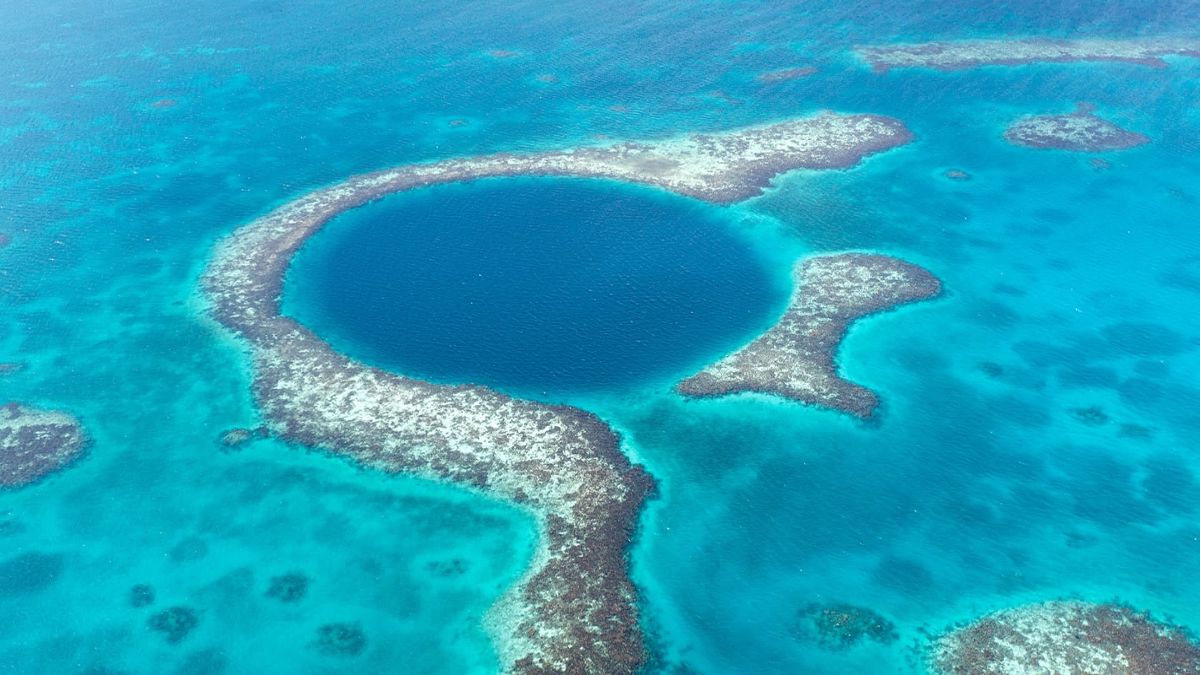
x=795 y=358
x=1080 y=131
x=288 y=588
x=35 y=443
x=1066 y=638
x=840 y=626
x=341 y=639
x=575 y=610
x=784 y=74
x=175 y=623
x=234 y=439
x=962 y=54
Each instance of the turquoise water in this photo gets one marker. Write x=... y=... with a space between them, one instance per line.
x=133 y=136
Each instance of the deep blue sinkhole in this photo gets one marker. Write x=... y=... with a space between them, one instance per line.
x=533 y=285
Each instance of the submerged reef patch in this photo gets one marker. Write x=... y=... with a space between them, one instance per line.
x=141 y=595
x=575 y=609
x=288 y=588
x=785 y=74
x=963 y=54
x=1080 y=131
x=1092 y=416
x=174 y=623
x=341 y=639
x=1066 y=638
x=839 y=626
x=235 y=439
x=795 y=358
x=35 y=443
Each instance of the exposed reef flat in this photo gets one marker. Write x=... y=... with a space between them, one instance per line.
x=1080 y=131
x=1066 y=638
x=795 y=358
x=575 y=610
x=962 y=54
x=35 y=443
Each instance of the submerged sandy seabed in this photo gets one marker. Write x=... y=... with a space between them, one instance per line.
x=575 y=609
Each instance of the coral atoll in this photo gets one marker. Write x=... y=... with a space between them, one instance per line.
x=1066 y=638
x=575 y=610
x=35 y=443
x=1080 y=131
x=962 y=54
x=795 y=358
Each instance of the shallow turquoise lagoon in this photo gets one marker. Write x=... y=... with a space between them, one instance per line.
x=134 y=135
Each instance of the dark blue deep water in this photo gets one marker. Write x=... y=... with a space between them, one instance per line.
x=536 y=285
x=1040 y=431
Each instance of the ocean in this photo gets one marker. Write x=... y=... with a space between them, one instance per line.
x=1040 y=424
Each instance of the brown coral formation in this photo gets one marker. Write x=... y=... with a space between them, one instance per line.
x=963 y=54
x=1066 y=638
x=575 y=610
x=785 y=74
x=35 y=443
x=1080 y=131
x=838 y=626
x=795 y=358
